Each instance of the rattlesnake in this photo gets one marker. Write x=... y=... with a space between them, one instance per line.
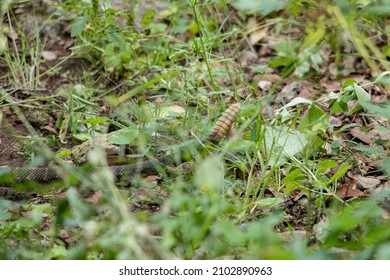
x=154 y=166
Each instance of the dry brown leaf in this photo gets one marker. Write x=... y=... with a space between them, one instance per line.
x=349 y=190
x=369 y=183
x=376 y=164
x=257 y=35
x=336 y=122
x=96 y=197
x=273 y=78
x=248 y=58
x=356 y=132
x=49 y=55
x=330 y=85
x=152 y=178
x=289 y=92
x=264 y=85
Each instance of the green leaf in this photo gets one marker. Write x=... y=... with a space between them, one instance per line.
x=302 y=69
x=298 y=100
x=325 y=165
x=293 y=176
x=63 y=153
x=362 y=96
x=95 y=121
x=158 y=28
x=269 y=202
x=124 y=136
x=340 y=172
x=381 y=79
x=116 y=39
x=241 y=146
x=316 y=119
x=282 y=143
x=181 y=26
x=148 y=17
x=5 y=216
x=293 y=181
x=316 y=60
x=112 y=57
x=348 y=85
x=78 y=26
x=281 y=61
x=377 y=110
x=263 y=7
x=257 y=69
x=82 y=136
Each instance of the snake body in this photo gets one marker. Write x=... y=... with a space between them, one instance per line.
x=153 y=166
x=50 y=174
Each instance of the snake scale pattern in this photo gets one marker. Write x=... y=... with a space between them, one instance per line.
x=154 y=166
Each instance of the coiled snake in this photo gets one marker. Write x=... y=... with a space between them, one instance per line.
x=154 y=166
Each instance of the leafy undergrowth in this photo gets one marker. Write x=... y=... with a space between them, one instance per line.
x=303 y=176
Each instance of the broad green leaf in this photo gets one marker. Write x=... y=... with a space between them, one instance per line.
x=95 y=121
x=112 y=58
x=78 y=26
x=284 y=114
x=340 y=172
x=241 y=145
x=298 y=100
x=263 y=7
x=348 y=85
x=316 y=61
x=181 y=26
x=316 y=119
x=293 y=176
x=282 y=144
x=379 y=79
x=158 y=28
x=124 y=136
x=292 y=186
x=362 y=96
x=148 y=17
x=57 y=253
x=5 y=204
x=82 y=136
x=378 y=10
x=116 y=39
x=257 y=68
x=279 y=62
x=335 y=107
x=5 y=216
x=377 y=110
x=302 y=69
x=325 y=165
x=269 y=202
x=64 y=153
